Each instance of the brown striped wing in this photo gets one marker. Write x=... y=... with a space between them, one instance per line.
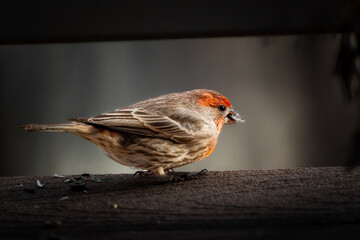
x=143 y=123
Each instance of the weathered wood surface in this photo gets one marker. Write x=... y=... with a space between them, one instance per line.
x=288 y=204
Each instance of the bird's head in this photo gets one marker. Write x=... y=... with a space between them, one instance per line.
x=218 y=107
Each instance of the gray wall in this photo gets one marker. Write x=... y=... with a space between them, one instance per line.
x=284 y=86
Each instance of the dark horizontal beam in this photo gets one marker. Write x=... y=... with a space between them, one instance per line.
x=305 y=203
x=78 y=21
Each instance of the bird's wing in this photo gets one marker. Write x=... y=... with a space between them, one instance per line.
x=141 y=122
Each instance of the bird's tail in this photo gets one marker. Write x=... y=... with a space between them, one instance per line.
x=73 y=127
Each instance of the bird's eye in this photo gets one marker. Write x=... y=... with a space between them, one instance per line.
x=222 y=108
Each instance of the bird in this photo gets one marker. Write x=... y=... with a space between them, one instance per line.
x=158 y=134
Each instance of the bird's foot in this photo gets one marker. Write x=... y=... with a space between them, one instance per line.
x=177 y=177
x=143 y=173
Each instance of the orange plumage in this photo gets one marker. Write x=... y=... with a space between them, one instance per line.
x=156 y=134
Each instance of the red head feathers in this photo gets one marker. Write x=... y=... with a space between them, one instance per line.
x=212 y=99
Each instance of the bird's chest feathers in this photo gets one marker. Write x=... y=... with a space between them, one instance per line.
x=216 y=127
x=211 y=148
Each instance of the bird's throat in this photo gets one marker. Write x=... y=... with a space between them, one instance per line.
x=219 y=124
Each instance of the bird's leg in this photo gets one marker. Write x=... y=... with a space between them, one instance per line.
x=182 y=176
x=143 y=173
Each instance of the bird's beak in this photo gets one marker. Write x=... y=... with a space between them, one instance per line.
x=233 y=117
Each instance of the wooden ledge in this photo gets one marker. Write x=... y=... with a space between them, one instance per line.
x=288 y=203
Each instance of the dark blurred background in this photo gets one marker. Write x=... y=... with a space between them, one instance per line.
x=284 y=86
x=292 y=89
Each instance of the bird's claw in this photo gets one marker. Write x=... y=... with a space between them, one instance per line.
x=175 y=178
x=178 y=177
x=142 y=173
x=202 y=172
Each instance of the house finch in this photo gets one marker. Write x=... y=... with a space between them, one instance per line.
x=157 y=134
